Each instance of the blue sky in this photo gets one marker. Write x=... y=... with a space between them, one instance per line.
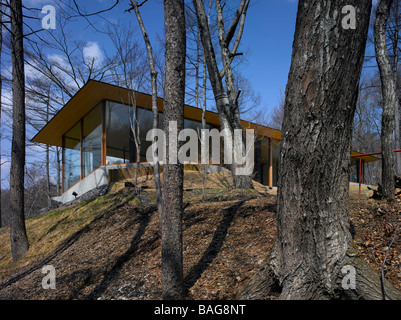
x=269 y=34
x=267 y=40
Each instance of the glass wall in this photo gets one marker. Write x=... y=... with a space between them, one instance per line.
x=265 y=160
x=145 y=122
x=276 y=159
x=354 y=170
x=120 y=139
x=72 y=157
x=197 y=126
x=120 y=146
x=108 y=128
x=92 y=141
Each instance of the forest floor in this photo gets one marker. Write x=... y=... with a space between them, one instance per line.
x=109 y=248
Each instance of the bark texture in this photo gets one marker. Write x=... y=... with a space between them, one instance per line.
x=1 y=88
x=314 y=241
x=389 y=98
x=394 y=34
x=321 y=95
x=174 y=94
x=19 y=240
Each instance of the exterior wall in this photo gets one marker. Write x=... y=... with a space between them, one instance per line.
x=97 y=178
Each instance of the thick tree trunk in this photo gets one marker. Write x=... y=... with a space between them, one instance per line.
x=389 y=98
x=1 y=91
x=397 y=114
x=19 y=240
x=173 y=175
x=264 y=284
x=314 y=242
x=321 y=96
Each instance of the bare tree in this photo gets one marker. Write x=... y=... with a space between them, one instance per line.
x=36 y=180
x=48 y=185
x=135 y=130
x=204 y=105
x=226 y=101
x=367 y=127
x=19 y=240
x=276 y=117
x=155 y=111
x=389 y=98
x=129 y=71
x=174 y=98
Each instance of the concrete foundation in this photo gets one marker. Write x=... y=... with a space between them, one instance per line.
x=108 y=174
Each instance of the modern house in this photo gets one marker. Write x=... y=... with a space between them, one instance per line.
x=95 y=131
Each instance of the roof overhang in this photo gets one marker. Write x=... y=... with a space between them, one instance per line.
x=95 y=91
x=366 y=158
x=80 y=104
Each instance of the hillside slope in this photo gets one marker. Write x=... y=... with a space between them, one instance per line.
x=115 y=253
x=109 y=248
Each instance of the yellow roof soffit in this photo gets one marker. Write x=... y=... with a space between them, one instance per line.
x=367 y=159
x=95 y=91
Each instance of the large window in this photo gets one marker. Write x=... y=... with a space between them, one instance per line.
x=72 y=157
x=120 y=146
x=145 y=122
x=276 y=159
x=265 y=160
x=354 y=170
x=105 y=136
x=92 y=141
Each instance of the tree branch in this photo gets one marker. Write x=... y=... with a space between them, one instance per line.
x=243 y=6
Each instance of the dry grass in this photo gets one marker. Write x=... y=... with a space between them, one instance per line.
x=48 y=231
x=116 y=253
x=193 y=179
x=365 y=192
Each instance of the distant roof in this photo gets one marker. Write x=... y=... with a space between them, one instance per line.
x=366 y=158
x=94 y=92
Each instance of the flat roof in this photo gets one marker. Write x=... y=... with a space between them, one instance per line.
x=366 y=158
x=93 y=92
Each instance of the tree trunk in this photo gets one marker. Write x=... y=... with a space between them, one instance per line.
x=59 y=184
x=135 y=131
x=1 y=91
x=19 y=240
x=397 y=131
x=48 y=185
x=321 y=96
x=389 y=98
x=204 y=104
x=225 y=102
x=314 y=241
x=155 y=110
x=173 y=175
